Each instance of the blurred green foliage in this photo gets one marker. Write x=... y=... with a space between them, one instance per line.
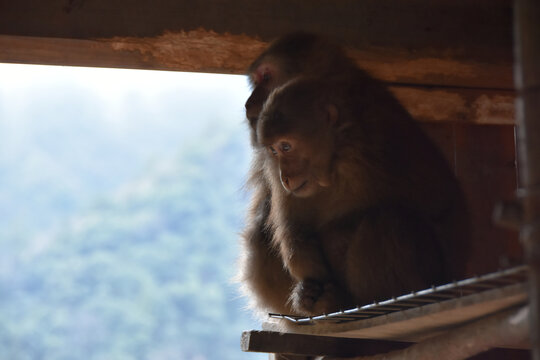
x=143 y=272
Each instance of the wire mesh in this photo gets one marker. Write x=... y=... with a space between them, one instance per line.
x=435 y=294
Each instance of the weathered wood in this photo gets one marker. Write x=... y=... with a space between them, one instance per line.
x=457 y=105
x=416 y=324
x=447 y=42
x=484 y=161
x=275 y=342
x=198 y=51
x=508 y=327
x=427 y=104
x=527 y=70
x=459 y=23
x=289 y=357
x=485 y=164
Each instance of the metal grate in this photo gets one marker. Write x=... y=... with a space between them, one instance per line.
x=433 y=295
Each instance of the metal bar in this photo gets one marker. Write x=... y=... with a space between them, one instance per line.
x=527 y=81
x=429 y=296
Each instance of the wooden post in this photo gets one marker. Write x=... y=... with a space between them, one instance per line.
x=527 y=81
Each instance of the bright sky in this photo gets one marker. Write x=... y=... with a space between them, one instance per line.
x=14 y=76
x=60 y=121
x=114 y=85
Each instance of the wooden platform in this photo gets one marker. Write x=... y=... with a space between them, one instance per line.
x=396 y=323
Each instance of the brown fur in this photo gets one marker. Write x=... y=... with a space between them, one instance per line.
x=261 y=273
x=375 y=231
x=387 y=155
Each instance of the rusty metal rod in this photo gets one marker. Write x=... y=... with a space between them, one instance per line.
x=527 y=81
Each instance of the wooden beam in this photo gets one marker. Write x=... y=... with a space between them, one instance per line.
x=448 y=42
x=232 y=54
x=506 y=328
x=284 y=343
x=197 y=51
x=527 y=69
x=437 y=104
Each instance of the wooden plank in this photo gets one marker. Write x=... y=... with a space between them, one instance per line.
x=505 y=327
x=275 y=342
x=484 y=161
x=416 y=324
x=457 y=105
x=447 y=42
x=527 y=70
x=198 y=51
x=485 y=164
x=289 y=357
x=433 y=104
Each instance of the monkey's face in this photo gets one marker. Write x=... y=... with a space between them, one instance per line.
x=298 y=127
x=299 y=146
x=265 y=77
x=296 y=164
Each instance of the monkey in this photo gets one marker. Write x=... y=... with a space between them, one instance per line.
x=358 y=194
x=262 y=274
x=295 y=54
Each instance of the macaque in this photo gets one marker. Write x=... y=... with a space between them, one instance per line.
x=358 y=194
x=409 y=191
x=262 y=275
x=290 y=56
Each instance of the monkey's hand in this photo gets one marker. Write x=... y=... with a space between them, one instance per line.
x=314 y=297
x=305 y=294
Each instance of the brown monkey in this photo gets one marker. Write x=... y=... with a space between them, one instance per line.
x=261 y=271
x=360 y=198
x=290 y=56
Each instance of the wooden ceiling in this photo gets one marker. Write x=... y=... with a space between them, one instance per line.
x=457 y=54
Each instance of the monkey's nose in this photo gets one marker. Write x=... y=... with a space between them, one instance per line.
x=285 y=182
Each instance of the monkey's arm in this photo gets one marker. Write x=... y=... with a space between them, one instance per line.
x=301 y=253
x=316 y=290
x=264 y=279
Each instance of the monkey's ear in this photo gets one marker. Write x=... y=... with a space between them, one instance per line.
x=332 y=114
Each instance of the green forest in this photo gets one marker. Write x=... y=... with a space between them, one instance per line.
x=142 y=271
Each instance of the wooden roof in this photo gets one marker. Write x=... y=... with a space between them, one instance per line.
x=454 y=55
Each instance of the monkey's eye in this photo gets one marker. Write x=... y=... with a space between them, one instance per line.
x=266 y=76
x=285 y=147
x=272 y=150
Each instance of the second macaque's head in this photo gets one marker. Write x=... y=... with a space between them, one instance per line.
x=293 y=55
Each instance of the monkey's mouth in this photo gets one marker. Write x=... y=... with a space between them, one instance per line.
x=299 y=191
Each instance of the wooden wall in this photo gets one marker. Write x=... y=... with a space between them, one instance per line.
x=483 y=158
x=448 y=61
